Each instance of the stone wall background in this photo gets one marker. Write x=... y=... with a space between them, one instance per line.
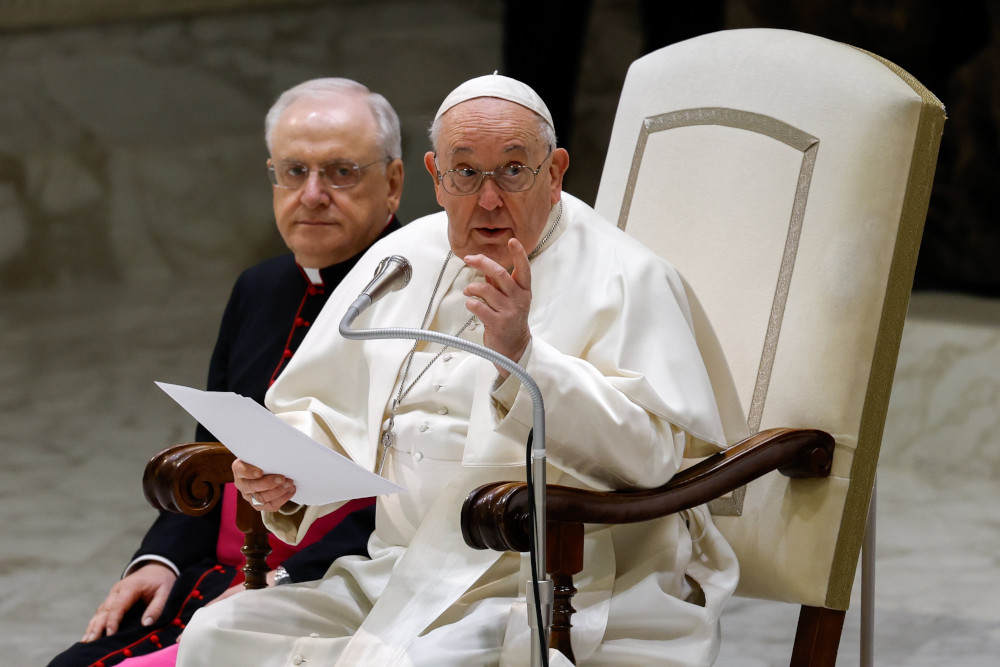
x=131 y=149
x=134 y=150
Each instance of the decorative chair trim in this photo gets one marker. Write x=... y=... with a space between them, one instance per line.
x=930 y=126
x=793 y=137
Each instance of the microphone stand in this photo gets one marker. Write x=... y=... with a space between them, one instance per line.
x=540 y=592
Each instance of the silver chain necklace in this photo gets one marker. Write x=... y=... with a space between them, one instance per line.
x=388 y=436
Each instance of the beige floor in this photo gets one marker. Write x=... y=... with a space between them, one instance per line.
x=79 y=416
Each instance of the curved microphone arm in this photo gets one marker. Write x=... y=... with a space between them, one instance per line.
x=544 y=595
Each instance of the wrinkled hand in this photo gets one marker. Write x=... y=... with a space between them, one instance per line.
x=271 y=490
x=502 y=302
x=151 y=583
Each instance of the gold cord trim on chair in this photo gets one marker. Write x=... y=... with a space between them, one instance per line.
x=791 y=136
x=782 y=287
x=900 y=281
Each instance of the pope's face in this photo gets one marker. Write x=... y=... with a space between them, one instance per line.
x=322 y=225
x=488 y=133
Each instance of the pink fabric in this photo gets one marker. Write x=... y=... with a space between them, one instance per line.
x=165 y=657
x=231 y=539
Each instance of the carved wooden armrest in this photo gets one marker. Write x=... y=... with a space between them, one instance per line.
x=190 y=479
x=495 y=515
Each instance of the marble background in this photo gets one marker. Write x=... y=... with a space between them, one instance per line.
x=132 y=192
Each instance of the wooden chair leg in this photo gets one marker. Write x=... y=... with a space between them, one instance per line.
x=817 y=637
x=564 y=549
x=256 y=547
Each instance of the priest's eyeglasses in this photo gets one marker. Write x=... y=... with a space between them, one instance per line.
x=339 y=175
x=512 y=177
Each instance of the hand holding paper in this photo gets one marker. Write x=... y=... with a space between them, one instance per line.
x=268 y=493
x=256 y=436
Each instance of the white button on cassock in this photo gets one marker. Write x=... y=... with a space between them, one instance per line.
x=298 y=660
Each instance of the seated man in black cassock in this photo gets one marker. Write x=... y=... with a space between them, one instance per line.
x=337 y=178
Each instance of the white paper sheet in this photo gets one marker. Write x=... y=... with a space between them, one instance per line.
x=255 y=435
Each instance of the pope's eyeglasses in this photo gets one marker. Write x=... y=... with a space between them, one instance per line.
x=512 y=177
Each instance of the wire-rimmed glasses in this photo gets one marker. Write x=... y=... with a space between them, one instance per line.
x=511 y=177
x=339 y=174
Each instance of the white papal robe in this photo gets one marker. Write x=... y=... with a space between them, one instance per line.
x=627 y=397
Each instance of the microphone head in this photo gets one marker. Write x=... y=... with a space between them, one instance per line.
x=393 y=273
x=398 y=268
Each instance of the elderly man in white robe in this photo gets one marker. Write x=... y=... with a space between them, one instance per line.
x=602 y=325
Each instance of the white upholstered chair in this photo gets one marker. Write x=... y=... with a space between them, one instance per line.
x=787 y=177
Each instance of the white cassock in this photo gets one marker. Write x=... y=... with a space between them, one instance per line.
x=627 y=397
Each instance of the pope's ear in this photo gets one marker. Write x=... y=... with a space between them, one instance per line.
x=557 y=170
x=432 y=170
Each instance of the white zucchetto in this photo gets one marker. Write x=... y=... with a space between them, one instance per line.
x=499 y=86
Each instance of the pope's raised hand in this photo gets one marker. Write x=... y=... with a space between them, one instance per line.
x=502 y=302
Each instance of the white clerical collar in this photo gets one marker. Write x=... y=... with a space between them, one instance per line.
x=313 y=275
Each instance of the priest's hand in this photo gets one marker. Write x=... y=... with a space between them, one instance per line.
x=265 y=493
x=502 y=302
x=151 y=584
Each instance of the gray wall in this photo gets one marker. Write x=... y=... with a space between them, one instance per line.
x=130 y=130
x=134 y=150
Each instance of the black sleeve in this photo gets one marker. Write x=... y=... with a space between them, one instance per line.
x=349 y=537
x=184 y=540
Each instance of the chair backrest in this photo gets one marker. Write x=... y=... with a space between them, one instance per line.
x=787 y=177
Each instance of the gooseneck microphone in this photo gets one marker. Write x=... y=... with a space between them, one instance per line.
x=393 y=273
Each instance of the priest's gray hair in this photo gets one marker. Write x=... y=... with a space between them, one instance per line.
x=545 y=131
x=387 y=134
